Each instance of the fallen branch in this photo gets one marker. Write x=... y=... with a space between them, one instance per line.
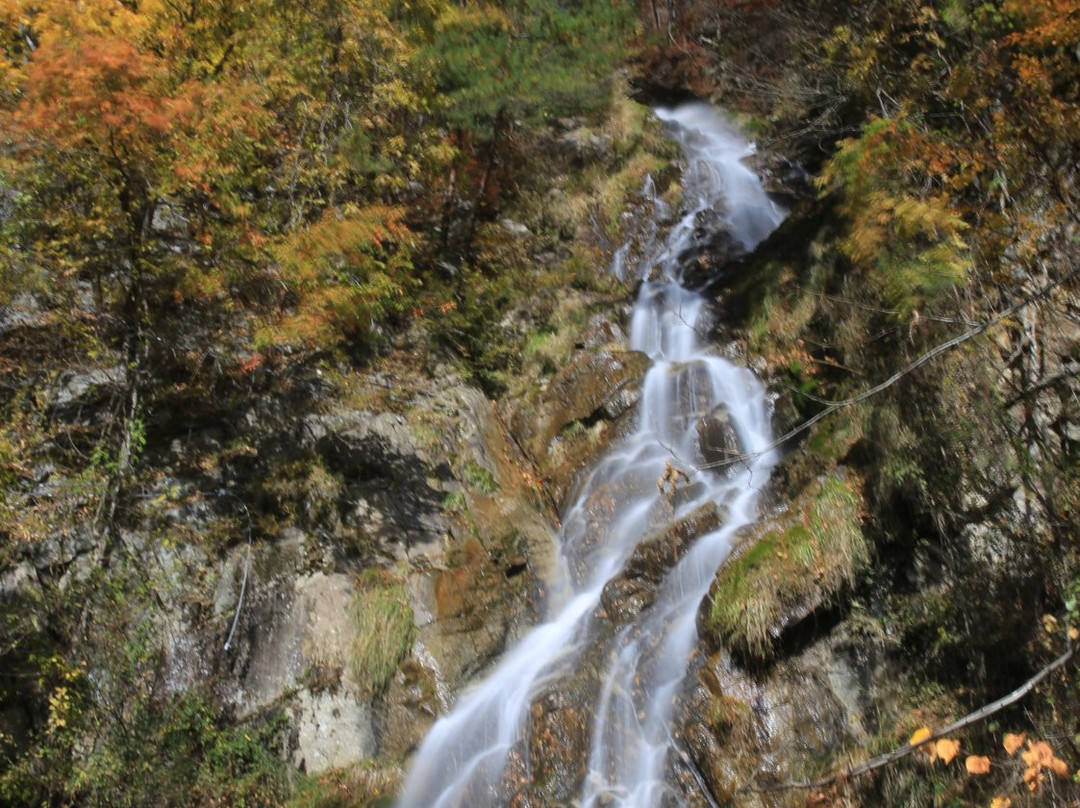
x=890 y=757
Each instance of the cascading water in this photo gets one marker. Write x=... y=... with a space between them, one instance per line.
x=463 y=760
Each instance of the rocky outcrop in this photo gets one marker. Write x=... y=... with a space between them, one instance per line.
x=578 y=412
x=634 y=589
x=789 y=723
x=276 y=543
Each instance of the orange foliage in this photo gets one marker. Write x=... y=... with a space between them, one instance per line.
x=946 y=749
x=943 y=749
x=1012 y=742
x=96 y=90
x=1039 y=759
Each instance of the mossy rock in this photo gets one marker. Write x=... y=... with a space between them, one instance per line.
x=788 y=569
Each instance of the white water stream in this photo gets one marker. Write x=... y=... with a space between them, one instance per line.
x=462 y=761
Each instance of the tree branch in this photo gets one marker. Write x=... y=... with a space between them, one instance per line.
x=930 y=355
x=890 y=757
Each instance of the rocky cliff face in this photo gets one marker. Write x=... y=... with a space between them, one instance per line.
x=300 y=566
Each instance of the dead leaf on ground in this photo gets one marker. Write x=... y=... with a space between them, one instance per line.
x=1013 y=742
x=946 y=749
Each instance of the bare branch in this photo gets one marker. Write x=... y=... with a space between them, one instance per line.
x=890 y=757
x=930 y=355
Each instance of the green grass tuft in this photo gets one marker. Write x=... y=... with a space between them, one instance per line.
x=812 y=551
x=384 y=629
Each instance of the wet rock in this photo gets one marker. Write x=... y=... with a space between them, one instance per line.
x=718 y=441
x=713 y=248
x=787 y=182
x=558 y=744
x=515 y=510
x=788 y=722
x=602 y=330
x=411 y=704
x=634 y=589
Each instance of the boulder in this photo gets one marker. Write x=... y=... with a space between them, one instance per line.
x=578 y=413
x=634 y=589
x=718 y=440
x=789 y=571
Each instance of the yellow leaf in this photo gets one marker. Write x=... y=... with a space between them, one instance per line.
x=977 y=764
x=1000 y=802
x=946 y=749
x=920 y=735
x=1074 y=633
x=1059 y=767
x=1013 y=742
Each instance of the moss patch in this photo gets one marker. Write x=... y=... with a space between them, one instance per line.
x=790 y=567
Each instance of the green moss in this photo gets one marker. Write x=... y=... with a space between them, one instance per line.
x=384 y=629
x=455 y=502
x=810 y=553
x=479 y=478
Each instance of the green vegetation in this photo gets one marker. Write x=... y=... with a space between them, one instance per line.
x=152 y=747
x=804 y=557
x=524 y=60
x=908 y=242
x=479 y=478
x=367 y=786
x=384 y=628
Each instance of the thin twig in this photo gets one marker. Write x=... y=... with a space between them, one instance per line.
x=247 y=566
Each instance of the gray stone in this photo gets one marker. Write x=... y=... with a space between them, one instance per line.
x=19 y=581
x=515 y=229
x=84 y=388
x=23 y=312
x=333 y=730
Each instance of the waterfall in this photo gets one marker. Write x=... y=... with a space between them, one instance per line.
x=462 y=761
